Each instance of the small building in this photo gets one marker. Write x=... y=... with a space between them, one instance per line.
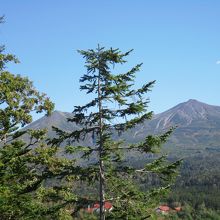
x=96 y=207
x=163 y=209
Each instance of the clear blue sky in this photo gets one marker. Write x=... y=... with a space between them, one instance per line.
x=178 y=42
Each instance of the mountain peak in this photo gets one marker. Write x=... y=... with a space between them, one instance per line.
x=192 y=101
x=192 y=104
x=196 y=102
x=187 y=113
x=57 y=119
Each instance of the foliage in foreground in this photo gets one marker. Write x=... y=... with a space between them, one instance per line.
x=29 y=170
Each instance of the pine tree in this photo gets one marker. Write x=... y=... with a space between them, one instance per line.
x=117 y=106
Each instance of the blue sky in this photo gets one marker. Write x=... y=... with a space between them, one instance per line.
x=178 y=42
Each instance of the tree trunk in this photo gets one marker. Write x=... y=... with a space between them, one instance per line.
x=101 y=164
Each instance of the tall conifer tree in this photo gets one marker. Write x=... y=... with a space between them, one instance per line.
x=116 y=107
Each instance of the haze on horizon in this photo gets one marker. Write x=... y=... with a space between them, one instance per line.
x=178 y=42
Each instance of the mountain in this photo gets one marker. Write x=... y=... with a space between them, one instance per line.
x=197 y=127
x=186 y=114
x=198 y=124
x=58 y=119
x=189 y=114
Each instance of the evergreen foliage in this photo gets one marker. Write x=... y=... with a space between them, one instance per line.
x=31 y=173
x=189 y=213
x=117 y=106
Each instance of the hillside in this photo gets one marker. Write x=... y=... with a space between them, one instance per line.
x=57 y=119
x=197 y=127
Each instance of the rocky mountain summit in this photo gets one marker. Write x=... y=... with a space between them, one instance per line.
x=188 y=113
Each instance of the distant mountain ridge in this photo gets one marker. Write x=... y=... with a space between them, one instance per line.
x=186 y=113
x=57 y=119
x=198 y=126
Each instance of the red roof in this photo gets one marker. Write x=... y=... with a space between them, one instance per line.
x=96 y=205
x=107 y=205
x=164 y=208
